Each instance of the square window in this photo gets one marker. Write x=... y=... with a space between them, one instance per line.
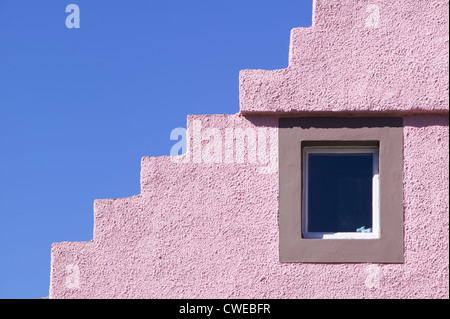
x=340 y=192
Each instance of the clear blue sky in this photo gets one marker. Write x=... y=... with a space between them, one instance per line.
x=80 y=107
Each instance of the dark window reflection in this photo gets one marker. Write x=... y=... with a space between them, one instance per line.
x=340 y=192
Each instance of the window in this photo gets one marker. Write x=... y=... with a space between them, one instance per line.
x=341 y=190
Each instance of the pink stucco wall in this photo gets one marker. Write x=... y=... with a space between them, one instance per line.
x=359 y=56
x=206 y=224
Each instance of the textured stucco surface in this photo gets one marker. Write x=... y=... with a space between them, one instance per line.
x=206 y=226
x=202 y=230
x=351 y=61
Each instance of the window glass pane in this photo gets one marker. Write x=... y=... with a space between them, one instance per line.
x=340 y=192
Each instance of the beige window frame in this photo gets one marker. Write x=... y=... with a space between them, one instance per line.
x=384 y=133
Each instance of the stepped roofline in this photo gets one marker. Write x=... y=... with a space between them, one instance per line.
x=379 y=56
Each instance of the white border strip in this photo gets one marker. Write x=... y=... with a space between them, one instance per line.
x=375 y=191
